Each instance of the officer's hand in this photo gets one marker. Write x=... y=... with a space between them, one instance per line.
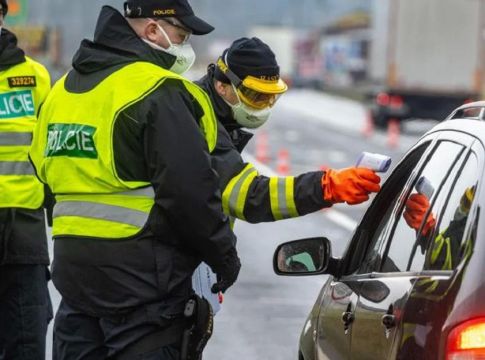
x=351 y=185
x=227 y=274
x=416 y=207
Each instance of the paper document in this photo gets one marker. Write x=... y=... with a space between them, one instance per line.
x=202 y=281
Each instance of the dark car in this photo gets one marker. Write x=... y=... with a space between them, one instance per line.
x=406 y=291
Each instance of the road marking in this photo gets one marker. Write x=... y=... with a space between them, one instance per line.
x=333 y=215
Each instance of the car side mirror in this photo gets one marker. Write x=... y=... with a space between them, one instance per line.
x=302 y=257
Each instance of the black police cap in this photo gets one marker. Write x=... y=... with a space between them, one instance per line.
x=249 y=57
x=179 y=9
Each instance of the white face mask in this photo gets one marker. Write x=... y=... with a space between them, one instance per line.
x=184 y=53
x=248 y=117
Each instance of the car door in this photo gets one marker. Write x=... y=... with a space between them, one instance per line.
x=334 y=322
x=384 y=278
x=446 y=248
x=337 y=312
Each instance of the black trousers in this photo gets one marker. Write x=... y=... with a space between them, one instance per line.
x=25 y=311
x=78 y=336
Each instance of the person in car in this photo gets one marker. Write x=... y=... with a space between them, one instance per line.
x=447 y=245
x=446 y=250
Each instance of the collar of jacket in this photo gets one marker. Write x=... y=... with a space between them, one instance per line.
x=240 y=138
x=116 y=43
x=10 y=53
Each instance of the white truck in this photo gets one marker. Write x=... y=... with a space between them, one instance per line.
x=427 y=57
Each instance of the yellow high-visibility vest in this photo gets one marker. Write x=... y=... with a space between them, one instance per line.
x=73 y=153
x=23 y=88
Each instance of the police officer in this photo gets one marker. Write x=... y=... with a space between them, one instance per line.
x=243 y=86
x=25 y=307
x=123 y=142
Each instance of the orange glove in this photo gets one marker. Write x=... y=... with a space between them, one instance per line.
x=416 y=207
x=351 y=185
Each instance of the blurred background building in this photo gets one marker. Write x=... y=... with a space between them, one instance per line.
x=52 y=29
x=402 y=48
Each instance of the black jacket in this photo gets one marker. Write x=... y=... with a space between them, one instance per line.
x=156 y=140
x=22 y=232
x=227 y=161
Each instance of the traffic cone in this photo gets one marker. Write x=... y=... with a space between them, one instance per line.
x=283 y=166
x=393 y=132
x=262 y=147
x=368 y=129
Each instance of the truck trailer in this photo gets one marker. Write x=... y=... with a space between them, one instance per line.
x=427 y=57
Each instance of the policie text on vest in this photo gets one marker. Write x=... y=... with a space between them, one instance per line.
x=73 y=140
x=16 y=104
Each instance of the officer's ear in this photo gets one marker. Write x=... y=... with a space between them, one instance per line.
x=223 y=89
x=151 y=32
x=220 y=88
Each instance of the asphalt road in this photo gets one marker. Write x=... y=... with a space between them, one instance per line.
x=263 y=314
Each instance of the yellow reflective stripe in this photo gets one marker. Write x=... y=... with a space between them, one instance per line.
x=430 y=285
x=231 y=192
x=242 y=194
x=290 y=196
x=282 y=197
x=438 y=245
x=273 y=198
x=448 y=265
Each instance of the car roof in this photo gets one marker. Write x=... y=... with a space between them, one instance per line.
x=458 y=121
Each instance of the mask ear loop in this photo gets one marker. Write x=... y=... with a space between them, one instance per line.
x=237 y=93
x=164 y=33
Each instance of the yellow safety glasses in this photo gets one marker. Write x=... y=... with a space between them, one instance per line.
x=255 y=92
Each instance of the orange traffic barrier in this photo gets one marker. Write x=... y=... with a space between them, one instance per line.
x=283 y=166
x=368 y=129
x=393 y=133
x=262 y=147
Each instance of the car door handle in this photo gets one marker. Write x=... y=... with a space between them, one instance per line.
x=389 y=321
x=348 y=318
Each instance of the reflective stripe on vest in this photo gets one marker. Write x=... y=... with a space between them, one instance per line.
x=437 y=252
x=98 y=211
x=281 y=194
x=15 y=138
x=16 y=168
x=72 y=150
x=94 y=210
x=235 y=193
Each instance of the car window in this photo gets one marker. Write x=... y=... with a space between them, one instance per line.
x=445 y=244
x=402 y=242
x=377 y=219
